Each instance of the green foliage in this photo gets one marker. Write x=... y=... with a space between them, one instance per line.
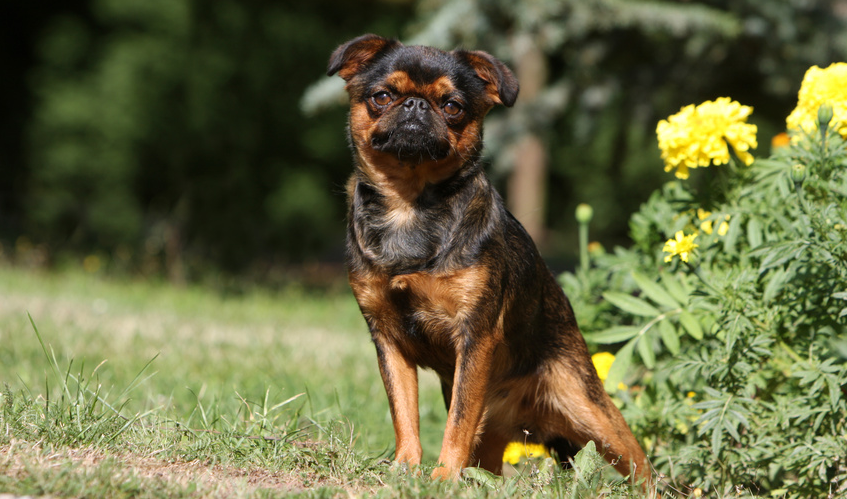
x=169 y=131
x=737 y=357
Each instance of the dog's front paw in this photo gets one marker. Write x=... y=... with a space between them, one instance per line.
x=445 y=473
x=404 y=468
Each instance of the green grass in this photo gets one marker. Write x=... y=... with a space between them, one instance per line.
x=139 y=389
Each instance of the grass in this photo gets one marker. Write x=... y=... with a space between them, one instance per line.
x=138 y=389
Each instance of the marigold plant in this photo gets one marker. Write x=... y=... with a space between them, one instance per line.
x=755 y=327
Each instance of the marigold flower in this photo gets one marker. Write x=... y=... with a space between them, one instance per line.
x=516 y=451
x=681 y=245
x=706 y=225
x=603 y=363
x=697 y=136
x=821 y=86
x=780 y=140
x=595 y=247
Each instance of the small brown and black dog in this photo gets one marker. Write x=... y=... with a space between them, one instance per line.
x=447 y=279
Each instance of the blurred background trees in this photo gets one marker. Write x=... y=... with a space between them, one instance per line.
x=169 y=136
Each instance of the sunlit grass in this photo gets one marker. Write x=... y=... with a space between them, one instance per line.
x=204 y=347
x=185 y=392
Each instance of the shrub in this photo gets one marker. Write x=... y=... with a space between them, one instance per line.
x=731 y=340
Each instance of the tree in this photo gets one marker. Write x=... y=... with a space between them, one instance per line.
x=168 y=129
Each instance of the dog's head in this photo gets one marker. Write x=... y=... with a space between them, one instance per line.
x=416 y=106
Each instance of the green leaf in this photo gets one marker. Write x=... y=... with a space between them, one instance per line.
x=834 y=392
x=778 y=279
x=777 y=254
x=691 y=325
x=645 y=350
x=707 y=404
x=482 y=477
x=730 y=426
x=654 y=291
x=585 y=461
x=631 y=304
x=614 y=334
x=669 y=336
x=620 y=366
x=716 y=439
x=675 y=288
x=732 y=234
x=754 y=232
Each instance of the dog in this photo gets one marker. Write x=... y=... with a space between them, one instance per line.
x=447 y=279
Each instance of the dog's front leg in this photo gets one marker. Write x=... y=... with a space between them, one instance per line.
x=400 y=377
x=470 y=384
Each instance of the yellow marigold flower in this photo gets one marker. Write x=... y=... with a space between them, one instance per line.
x=603 y=363
x=706 y=225
x=821 y=86
x=681 y=245
x=516 y=451
x=697 y=136
x=723 y=228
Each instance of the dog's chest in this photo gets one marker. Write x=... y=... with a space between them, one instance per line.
x=402 y=239
x=423 y=313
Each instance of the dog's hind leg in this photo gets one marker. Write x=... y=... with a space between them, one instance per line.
x=582 y=411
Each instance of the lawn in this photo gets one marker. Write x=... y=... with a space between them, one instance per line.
x=125 y=388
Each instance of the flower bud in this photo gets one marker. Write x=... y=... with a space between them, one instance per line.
x=798 y=174
x=584 y=213
x=824 y=116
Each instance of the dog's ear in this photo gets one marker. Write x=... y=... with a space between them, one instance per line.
x=501 y=83
x=350 y=58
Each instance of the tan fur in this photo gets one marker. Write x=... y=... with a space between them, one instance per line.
x=400 y=183
x=400 y=83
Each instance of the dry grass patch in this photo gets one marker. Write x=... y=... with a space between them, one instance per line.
x=35 y=467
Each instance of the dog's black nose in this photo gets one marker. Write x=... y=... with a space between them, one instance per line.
x=416 y=104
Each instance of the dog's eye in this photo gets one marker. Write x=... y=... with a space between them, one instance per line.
x=382 y=98
x=452 y=108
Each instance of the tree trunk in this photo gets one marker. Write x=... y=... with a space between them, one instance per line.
x=527 y=184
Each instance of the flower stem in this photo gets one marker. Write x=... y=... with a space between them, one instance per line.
x=583 y=247
x=696 y=271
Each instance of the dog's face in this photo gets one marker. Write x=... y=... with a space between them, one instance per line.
x=414 y=106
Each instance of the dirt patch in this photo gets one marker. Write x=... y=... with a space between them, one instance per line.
x=19 y=460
